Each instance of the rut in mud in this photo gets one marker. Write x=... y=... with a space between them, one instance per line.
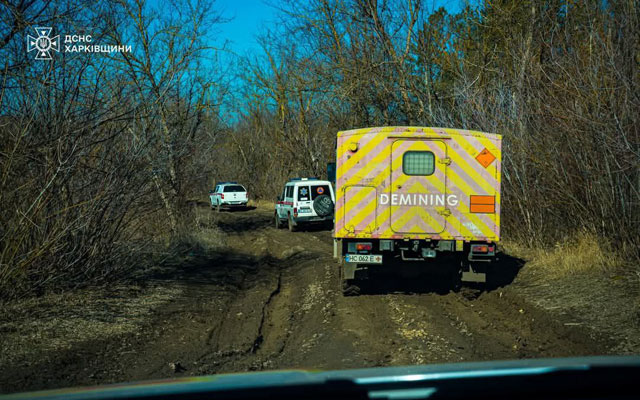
x=273 y=301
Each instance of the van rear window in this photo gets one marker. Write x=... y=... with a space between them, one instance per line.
x=233 y=188
x=418 y=163
x=319 y=190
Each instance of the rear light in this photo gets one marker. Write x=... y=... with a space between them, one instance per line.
x=222 y=196
x=479 y=248
x=363 y=246
x=295 y=212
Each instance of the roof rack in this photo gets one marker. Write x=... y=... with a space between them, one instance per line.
x=230 y=182
x=304 y=179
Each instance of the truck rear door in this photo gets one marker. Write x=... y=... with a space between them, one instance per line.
x=418 y=195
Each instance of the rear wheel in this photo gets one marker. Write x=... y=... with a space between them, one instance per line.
x=349 y=288
x=278 y=223
x=328 y=225
x=455 y=279
x=292 y=227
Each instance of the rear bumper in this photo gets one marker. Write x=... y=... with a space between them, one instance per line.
x=235 y=204
x=312 y=219
x=421 y=250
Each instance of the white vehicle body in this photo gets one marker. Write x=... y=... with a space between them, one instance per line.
x=228 y=194
x=305 y=201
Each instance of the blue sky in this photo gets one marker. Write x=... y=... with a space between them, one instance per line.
x=249 y=16
x=247 y=19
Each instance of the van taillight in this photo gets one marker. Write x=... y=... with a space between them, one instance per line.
x=363 y=246
x=295 y=212
x=222 y=196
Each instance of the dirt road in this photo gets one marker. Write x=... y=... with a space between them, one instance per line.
x=272 y=300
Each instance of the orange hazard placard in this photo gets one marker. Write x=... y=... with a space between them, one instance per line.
x=485 y=158
x=482 y=204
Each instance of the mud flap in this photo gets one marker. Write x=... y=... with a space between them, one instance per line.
x=348 y=271
x=469 y=275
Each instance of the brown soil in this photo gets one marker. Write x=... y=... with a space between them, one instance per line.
x=272 y=300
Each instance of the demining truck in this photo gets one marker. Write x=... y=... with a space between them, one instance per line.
x=416 y=197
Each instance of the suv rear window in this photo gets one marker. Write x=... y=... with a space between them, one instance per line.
x=234 y=188
x=303 y=193
x=319 y=190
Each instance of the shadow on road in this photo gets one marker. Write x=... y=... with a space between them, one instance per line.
x=499 y=274
x=237 y=209
x=503 y=271
x=315 y=228
x=198 y=203
x=239 y=223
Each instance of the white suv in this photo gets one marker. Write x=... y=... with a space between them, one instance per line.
x=305 y=201
x=228 y=194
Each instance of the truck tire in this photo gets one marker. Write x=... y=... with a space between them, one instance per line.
x=328 y=225
x=278 y=223
x=323 y=205
x=292 y=227
x=455 y=280
x=349 y=288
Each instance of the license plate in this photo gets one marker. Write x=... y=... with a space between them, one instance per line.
x=363 y=258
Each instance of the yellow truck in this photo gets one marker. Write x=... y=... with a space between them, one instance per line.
x=419 y=196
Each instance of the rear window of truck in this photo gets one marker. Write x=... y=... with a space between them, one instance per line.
x=234 y=188
x=418 y=163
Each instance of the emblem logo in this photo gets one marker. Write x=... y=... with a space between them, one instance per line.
x=43 y=43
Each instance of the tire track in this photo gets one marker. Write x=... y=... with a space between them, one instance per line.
x=260 y=338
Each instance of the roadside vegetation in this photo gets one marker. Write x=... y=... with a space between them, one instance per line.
x=101 y=154
x=560 y=80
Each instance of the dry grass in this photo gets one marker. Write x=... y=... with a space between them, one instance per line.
x=55 y=322
x=586 y=281
x=206 y=233
x=583 y=252
x=262 y=204
x=59 y=321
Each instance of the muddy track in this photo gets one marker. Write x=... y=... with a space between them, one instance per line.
x=273 y=301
